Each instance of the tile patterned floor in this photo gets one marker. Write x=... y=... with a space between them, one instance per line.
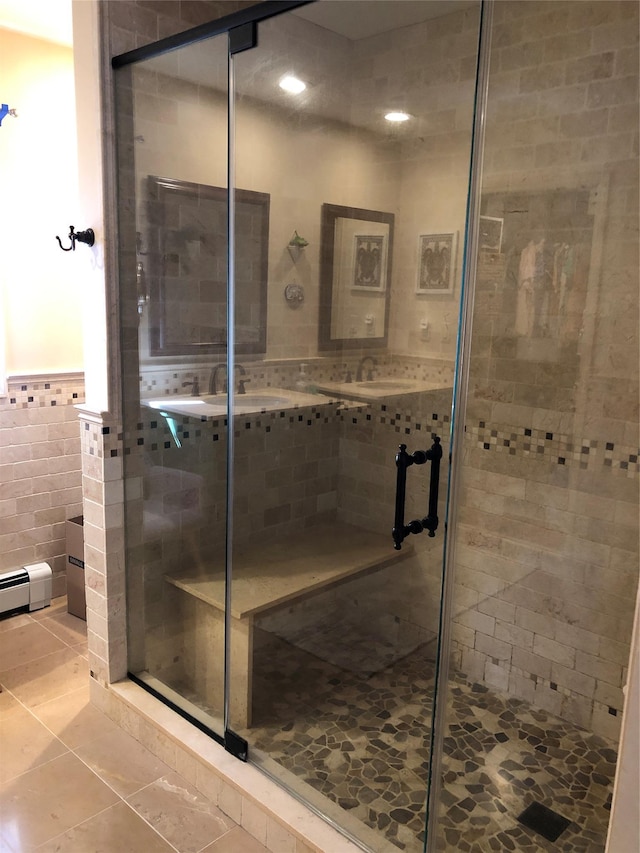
x=71 y=781
x=363 y=746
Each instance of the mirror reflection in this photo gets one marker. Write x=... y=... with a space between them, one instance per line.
x=355 y=276
x=187 y=262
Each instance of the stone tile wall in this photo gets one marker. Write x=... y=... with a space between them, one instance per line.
x=103 y=501
x=292 y=469
x=548 y=544
x=40 y=471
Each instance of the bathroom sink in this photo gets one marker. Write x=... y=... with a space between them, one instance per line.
x=215 y=405
x=387 y=384
x=195 y=407
x=243 y=403
x=375 y=390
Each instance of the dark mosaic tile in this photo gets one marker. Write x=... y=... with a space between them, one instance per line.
x=500 y=754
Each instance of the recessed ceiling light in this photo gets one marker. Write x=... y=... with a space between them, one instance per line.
x=292 y=84
x=396 y=115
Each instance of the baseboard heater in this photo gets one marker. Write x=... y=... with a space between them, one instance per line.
x=28 y=587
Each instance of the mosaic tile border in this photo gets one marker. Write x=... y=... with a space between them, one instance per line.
x=331 y=412
x=100 y=440
x=585 y=454
x=284 y=374
x=524 y=442
x=45 y=391
x=563 y=449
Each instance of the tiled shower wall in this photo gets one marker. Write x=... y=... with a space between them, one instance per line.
x=293 y=469
x=40 y=470
x=548 y=547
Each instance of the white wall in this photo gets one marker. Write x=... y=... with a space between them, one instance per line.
x=91 y=145
x=41 y=289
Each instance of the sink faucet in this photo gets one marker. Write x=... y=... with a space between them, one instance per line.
x=213 y=379
x=359 y=376
x=241 y=382
x=195 y=386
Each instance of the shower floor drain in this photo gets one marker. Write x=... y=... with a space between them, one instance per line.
x=545 y=821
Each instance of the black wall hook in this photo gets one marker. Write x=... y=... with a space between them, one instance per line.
x=87 y=237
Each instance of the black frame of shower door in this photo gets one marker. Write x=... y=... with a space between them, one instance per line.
x=250 y=15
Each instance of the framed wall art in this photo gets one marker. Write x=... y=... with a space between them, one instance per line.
x=491 y=233
x=436 y=260
x=369 y=256
x=356 y=245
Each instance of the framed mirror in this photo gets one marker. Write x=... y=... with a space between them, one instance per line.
x=186 y=235
x=355 y=277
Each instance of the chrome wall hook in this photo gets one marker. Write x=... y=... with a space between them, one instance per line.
x=87 y=237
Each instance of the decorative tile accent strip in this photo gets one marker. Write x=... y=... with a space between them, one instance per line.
x=38 y=392
x=283 y=374
x=562 y=449
x=174 y=430
x=584 y=453
x=101 y=441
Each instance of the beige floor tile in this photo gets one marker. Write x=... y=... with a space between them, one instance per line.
x=58 y=605
x=122 y=762
x=8 y=623
x=236 y=841
x=46 y=677
x=25 y=644
x=118 y=829
x=66 y=627
x=8 y=703
x=74 y=719
x=26 y=743
x=180 y=813
x=81 y=649
x=49 y=800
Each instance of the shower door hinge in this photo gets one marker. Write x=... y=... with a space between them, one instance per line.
x=242 y=38
x=236 y=745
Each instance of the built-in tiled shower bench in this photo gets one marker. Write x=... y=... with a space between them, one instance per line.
x=265 y=577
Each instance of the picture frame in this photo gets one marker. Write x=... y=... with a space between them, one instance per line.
x=354 y=304
x=436 y=262
x=491 y=233
x=185 y=230
x=369 y=262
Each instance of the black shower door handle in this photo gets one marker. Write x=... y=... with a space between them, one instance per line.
x=404 y=460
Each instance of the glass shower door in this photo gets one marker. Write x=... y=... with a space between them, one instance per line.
x=352 y=132
x=172 y=129
x=543 y=537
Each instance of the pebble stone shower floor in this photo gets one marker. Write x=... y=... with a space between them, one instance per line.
x=363 y=744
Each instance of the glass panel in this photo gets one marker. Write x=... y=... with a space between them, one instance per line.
x=333 y=630
x=172 y=128
x=545 y=550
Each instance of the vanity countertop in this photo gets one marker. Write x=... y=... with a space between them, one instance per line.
x=254 y=402
x=380 y=389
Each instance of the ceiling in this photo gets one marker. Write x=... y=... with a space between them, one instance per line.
x=51 y=19
x=348 y=20
x=45 y=19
